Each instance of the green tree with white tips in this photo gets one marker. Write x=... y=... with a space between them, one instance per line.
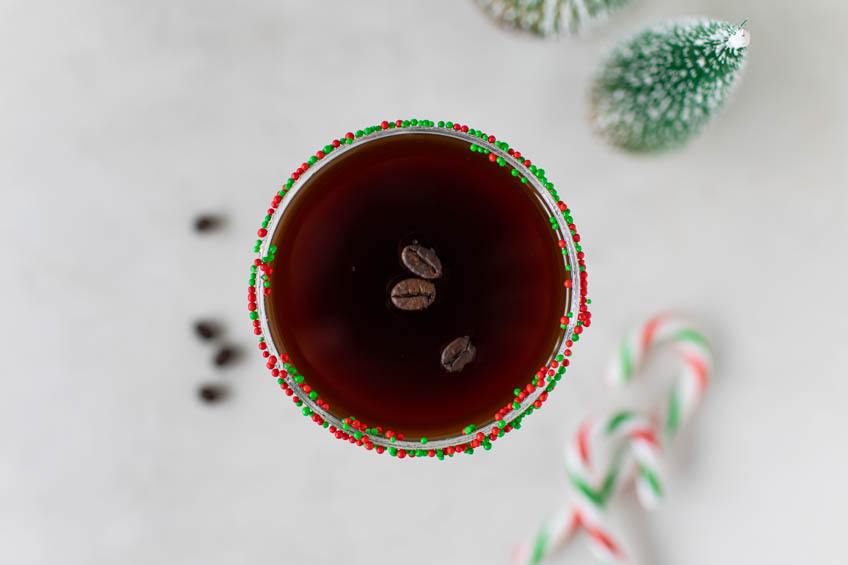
x=550 y=17
x=660 y=87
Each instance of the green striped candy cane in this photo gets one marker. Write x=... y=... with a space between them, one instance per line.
x=672 y=331
x=606 y=454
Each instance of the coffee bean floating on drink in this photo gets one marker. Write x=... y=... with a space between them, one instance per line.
x=413 y=294
x=458 y=353
x=421 y=261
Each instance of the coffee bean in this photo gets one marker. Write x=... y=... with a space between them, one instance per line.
x=207 y=222
x=211 y=393
x=225 y=356
x=206 y=329
x=413 y=294
x=421 y=261
x=458 y=353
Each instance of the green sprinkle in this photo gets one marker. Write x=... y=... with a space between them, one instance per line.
x=514 y=173
x=588 y=301
x=448 y=125
x=393 y=451
x=440 y=455
x=423 y=441
x=413 y=122
x=326 y=424
x=392 y=439
x=357 y=435
x=560 y=357
x=306 y=411
x=313 y=395
x=441 y=124
x=501 y=424
x=280 y=381
x=420 y=453
x=298 y=379
x=328 y=148
x=345 y=427
x=516 y=405
x=404 y=124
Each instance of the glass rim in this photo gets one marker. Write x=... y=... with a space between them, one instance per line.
x=574 y=300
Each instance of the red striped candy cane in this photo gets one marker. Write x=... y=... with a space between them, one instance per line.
x=695 y=356
x=606 y=454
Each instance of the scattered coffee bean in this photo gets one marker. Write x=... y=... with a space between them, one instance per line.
x=458 y=353
x=206 y=329
x=413 y=294
x=421 y=261
x=207 y=222
x=225 y=356
x=211 y=393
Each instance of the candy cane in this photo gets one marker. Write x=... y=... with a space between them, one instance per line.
x=694 y=351
x=606 y=454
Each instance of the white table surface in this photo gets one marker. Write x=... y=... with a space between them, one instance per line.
x=120 y=121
